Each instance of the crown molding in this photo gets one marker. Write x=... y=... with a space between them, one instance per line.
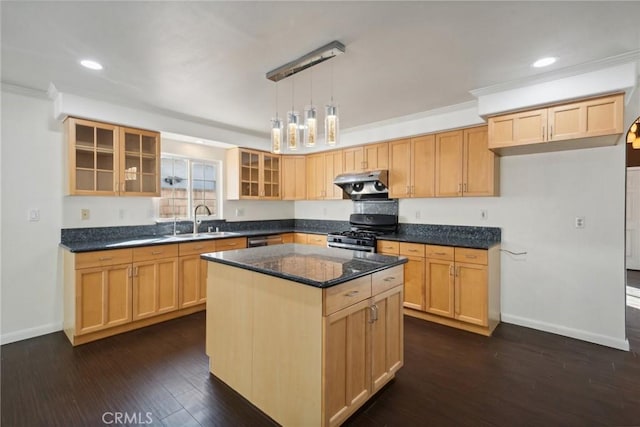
x=632 y=56
x=24 y=90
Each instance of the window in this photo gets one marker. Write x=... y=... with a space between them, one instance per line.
x=186 y=183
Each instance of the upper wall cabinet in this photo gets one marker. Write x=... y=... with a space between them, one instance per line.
x=108 y=160
x=558 y=127
x=322 y=168
x=368 y=157
x=294 y=178
x=464 y=166
x=411 y=167
x=252 y=174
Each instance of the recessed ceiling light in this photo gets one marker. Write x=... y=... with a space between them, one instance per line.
x=92 y=65
x=543 y=62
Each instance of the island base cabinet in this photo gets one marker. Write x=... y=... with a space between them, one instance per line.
x=347 y=373
x=303 y=355
x=387 y=332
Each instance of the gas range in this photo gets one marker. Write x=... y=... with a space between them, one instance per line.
x=364 y=230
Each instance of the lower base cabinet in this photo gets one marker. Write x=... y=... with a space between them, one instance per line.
x=114 y=291
x=454 y=286
x=305 y=356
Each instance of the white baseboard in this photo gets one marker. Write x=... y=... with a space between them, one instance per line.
x=620 y=344
x=24 y=334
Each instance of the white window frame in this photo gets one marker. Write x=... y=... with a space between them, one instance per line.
x=219 y=197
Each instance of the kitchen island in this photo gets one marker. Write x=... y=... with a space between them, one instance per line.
x=307 y=334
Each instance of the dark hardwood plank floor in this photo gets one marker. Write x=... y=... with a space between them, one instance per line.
x=518 y=377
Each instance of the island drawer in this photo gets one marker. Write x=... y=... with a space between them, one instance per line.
x=103 y=258
x=388 y=247
x=444 y=253
x=472 y=256
x=341 y=296
x=197 y=248
x=149 y=253
x=228 y=244
x=387 y=279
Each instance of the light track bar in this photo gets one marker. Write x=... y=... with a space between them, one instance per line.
x=319 y=55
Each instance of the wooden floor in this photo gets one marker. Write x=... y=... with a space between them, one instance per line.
x=518 y=377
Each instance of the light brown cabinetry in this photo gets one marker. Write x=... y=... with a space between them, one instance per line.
x=310 y=239
x=322 y=168
x=193 y=269
x=102 y=290
x=294 y=178
x=367 y=157
x=288 y=237
x=108 y=160
x=297 y=370
x=411 y=167
x=464 y=166
x=413 y=275
x=114 y=291
x=155 y=280
x=458 y=287
x=252 y=174
x=538 y=130
x=193 y=272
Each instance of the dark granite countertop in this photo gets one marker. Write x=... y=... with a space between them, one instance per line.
x=443 y=240
x=310 y=265
x=101 y=244
x=451 y=238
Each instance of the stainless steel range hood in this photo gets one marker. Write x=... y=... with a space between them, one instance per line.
x=369 y=185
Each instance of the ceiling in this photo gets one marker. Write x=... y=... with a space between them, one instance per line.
x=208 y=60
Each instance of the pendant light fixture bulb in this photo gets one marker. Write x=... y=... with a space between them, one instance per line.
x=310 y=126
x=276 y=135
x=293 y=133
x=331 y=126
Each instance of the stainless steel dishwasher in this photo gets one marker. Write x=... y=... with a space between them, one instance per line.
x=265 y=240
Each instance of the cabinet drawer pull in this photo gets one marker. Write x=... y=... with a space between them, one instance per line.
x=105 y=258
x=156 y=252
x=352 y=293
x=408 y=189
x=450 y=269
x=439 y=253
x=471 y=256
x=199 y=247
x=464 y=187
x=457 y=270
x=135 y=271
x=232 y=244
x=390 y=278
x=413 y=250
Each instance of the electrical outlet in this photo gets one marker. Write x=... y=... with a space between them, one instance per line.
x=239 y=211
x=484 y=214
x=85 y=214
x=34 y=215
x=417 y=214
x=580 y=222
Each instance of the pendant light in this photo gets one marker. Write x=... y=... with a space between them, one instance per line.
x=310 y=125
x=276 y=130
x=331 y=126
x=310 y=119
x=293 y=123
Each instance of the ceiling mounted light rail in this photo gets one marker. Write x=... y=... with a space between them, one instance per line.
x=309 y=125
x=318 y=56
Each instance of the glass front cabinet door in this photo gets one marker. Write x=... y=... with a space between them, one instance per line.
x=108 y=160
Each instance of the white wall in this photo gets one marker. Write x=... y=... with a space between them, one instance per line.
x=31 y=179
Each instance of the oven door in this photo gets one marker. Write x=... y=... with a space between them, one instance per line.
x=352 y=247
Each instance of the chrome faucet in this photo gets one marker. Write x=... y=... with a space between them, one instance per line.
x=195 y=217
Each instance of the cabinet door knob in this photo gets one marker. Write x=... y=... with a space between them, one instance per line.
x=389 y=279
x=352 y=293
x=105 y=258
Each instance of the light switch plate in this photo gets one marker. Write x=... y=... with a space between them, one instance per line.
x=34 y=215
x=85 y=214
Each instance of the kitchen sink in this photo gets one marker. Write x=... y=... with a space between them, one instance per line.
x=203 y=235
